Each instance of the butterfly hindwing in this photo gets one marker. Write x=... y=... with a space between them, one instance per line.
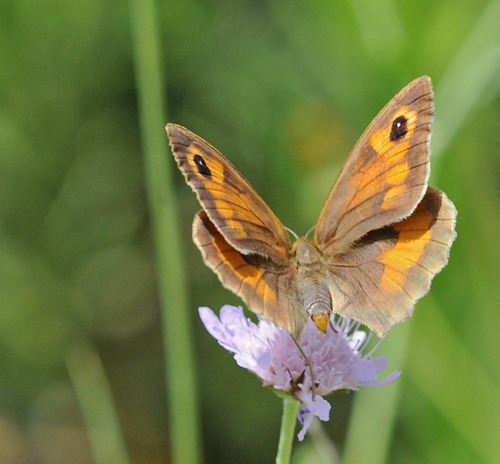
x=266 y=287
x=380 y=278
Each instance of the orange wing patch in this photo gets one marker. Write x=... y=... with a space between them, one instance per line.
x=392 y=168
x=422 y=246
x=381 y=137
x=399 y=261
x=398 y=174
x=414 y=235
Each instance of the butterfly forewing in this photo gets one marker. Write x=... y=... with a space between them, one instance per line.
x=232 y=205
x=386 y=174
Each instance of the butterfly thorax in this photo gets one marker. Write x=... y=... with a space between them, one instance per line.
x=312 y=287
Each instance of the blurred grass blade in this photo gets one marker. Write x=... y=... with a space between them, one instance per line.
x=179 y=365
x=381 y=29
x=372 y=418
x=465 y=84
x=470 y=79
x=324 y=450
x=96 y=403
x=474 y=413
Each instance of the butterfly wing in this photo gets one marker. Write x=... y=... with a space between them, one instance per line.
x=379 y=279
x=386 y=174
x=240 y=238
x=266 y=286
x=230 y=202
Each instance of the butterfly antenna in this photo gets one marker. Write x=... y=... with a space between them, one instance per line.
x=292 y=232
x=309 y=363
x=310 y=230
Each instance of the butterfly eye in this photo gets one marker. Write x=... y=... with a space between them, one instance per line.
x=399 y=128
x=202 y=166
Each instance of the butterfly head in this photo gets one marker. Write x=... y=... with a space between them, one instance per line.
x=305 y=253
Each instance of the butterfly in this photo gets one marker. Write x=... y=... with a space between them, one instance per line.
x=381 y=237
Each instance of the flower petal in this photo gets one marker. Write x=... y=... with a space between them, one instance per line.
x=216 y=328
x=379 y=383
x=315 y=405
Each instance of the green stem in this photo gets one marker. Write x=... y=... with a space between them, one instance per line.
x=176 y=324
x=287 y=433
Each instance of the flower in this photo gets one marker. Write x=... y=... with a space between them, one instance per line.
x=336 y=357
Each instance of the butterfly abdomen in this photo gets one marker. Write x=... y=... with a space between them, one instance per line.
x=312 y=286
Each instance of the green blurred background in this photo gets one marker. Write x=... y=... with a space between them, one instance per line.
x=283 y=89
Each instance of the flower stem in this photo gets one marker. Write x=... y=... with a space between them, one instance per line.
x=288 y=420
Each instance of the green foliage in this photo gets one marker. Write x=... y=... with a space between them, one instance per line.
x=283 y=89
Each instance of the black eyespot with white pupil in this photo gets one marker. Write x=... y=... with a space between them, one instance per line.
x=202 y=166
x=399 y=128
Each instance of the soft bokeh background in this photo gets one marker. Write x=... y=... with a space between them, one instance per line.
x=283 y=89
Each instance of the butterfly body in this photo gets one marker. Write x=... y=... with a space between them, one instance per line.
x=380 y=238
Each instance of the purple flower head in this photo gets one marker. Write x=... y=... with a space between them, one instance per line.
x=269 y=351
